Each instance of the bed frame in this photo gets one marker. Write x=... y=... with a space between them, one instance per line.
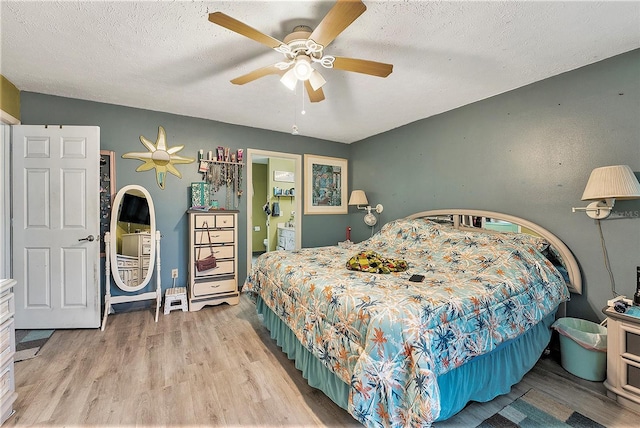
x=462 y=219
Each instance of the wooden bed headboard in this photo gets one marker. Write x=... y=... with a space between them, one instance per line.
x=463 y=219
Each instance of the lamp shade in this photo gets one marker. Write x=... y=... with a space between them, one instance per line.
x=302 y=67
x=612 y=182
x=358 y=197
x=316 y=80
x=289 y=79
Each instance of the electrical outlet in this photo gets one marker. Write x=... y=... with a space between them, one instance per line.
x=174 y=273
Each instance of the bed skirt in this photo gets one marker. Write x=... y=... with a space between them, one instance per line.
x=492 y=374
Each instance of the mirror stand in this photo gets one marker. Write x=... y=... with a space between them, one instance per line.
x=111 y=300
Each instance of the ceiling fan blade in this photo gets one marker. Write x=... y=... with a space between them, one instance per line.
x=256 y=74
x=241 y=28
x=364 y=66
x=341 y=15
x=314 y=96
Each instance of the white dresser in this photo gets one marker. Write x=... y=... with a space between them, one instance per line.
x=7 y=348
x=136 y=249
x=129 y=269
x=623 y=359
x=220 y=284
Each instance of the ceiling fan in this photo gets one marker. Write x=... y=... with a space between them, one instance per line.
x=305 y=47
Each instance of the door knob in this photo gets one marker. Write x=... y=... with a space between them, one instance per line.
x=89 y=238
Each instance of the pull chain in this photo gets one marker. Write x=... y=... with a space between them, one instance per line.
x=294 y=128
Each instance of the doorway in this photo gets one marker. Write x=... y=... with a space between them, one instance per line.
x=272 y=177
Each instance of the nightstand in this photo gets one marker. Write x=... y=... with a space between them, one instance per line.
x=623 y=359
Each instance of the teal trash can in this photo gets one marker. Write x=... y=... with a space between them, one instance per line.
x=583 y=348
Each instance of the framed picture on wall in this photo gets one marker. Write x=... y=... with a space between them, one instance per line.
x=107 y=192
x=325 y=185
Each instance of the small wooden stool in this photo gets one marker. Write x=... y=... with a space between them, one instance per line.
x=175 y=295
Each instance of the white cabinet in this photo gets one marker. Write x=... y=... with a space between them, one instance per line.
x=7 y=349
x=623 y=359
x=137 y=246
x=213 y=232
x=129 y=270
x=286 y=238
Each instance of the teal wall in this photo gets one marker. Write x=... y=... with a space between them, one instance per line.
x=528 y=152
x=120 y=130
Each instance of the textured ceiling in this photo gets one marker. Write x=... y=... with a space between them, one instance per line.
x=167 y=56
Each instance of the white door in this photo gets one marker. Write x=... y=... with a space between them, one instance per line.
x=56 y=249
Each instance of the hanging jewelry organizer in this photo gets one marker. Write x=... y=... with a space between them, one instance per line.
x=223 y=172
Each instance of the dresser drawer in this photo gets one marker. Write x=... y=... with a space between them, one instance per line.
x=219 y=251
x=7 y=306
x=129 y=276
x=218 y=220
x=224 y=267
x=7 y=341
x=127 y=262
x=7 y=380
x=217 y=237
x=214 y=287
x=224 y=220
x=200 y=220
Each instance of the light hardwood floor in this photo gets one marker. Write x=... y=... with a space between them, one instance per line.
x=218 y=367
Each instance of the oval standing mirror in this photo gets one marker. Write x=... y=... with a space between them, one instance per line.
x=132 y=250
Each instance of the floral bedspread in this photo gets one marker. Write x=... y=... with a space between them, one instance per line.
x=389 y=338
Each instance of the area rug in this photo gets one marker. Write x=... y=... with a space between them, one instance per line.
x=537 y=409
x=29 y=343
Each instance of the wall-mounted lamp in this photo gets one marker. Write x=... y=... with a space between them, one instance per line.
x=359 y=198
x=605 y=185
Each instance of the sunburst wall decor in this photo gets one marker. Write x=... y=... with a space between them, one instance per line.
x=159 y=157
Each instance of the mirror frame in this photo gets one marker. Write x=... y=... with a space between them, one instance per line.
x=113 y=253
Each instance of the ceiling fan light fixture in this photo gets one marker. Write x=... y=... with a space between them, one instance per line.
x=305 y=46
x=289 y=79
x=302 y=68
x=316 y=80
